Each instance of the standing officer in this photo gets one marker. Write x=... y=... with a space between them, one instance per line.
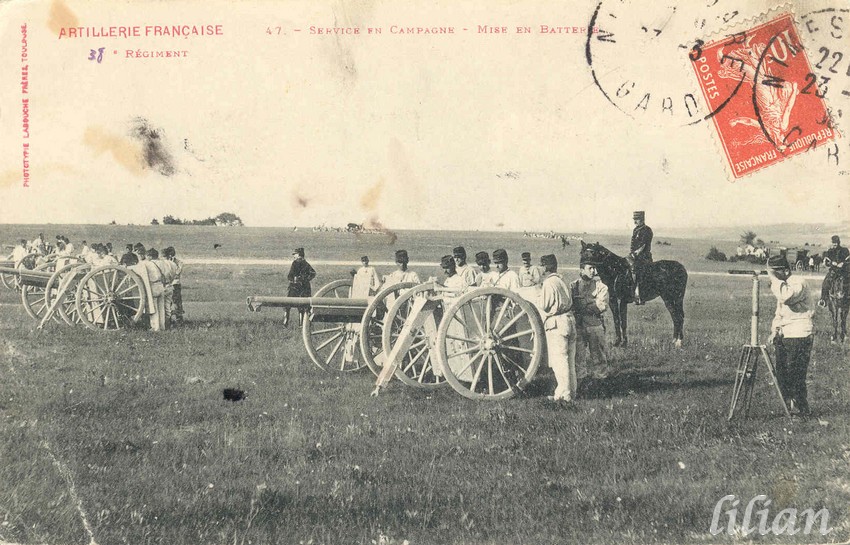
x=486 y=277
x=640 y=255
x=366 y=281
x=300 y=275
x=836 y=259
x=560 y=326
x=590 y=301
x=505 y=278
x=792 y=333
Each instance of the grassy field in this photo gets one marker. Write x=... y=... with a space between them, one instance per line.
x=129 y=429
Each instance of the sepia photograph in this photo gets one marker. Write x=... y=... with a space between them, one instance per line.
x=403 y=273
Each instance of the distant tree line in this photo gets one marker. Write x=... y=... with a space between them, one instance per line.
x=225 y=219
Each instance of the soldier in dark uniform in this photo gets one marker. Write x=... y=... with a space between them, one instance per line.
x=640 y=255
x=836 y=258
x=300 y=275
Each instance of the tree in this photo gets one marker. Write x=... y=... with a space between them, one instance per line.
x=154 y=221
x=171 y=220
x=228 y=219
x=748 y=237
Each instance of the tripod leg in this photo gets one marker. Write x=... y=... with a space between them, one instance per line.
x=772 y=370
x=740 y=375
x=752 y=367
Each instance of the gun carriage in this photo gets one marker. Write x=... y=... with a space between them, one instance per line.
x=486 y=343
x=63 y=288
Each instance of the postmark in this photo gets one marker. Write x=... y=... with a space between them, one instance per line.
x=638 y=56
x=781 y=111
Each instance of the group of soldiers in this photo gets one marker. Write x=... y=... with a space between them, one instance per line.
x=160 y=273
x=572 y=314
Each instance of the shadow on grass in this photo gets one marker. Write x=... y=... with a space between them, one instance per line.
x=626 y=383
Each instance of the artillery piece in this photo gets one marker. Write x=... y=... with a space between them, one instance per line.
x=486 y=343
x=64 y=288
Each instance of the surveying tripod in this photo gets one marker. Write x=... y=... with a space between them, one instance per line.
x=745 y=376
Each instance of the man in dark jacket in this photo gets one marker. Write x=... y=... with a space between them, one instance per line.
x=300 y=275
x=640 y=255
x=837 y=259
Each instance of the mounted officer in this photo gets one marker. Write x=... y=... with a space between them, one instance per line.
x=640 y=255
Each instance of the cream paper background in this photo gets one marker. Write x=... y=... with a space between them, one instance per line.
x=463 y=131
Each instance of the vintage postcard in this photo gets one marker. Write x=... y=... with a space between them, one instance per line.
x=362 y=271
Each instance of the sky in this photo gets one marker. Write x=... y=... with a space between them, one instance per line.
x=469 y=130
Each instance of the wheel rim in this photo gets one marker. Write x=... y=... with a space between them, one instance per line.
x=35 y=298
x=67 y=308
x=328 y=343
x=372 y=326
x=110 y=298
x=417 y=367
x=490 y=344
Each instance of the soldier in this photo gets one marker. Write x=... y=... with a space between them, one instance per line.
x=453 y=279
x=486 y=277
x=590 y=301
x=792 y=333
x=505 y=278
x=560 y=326
x=401 y=274
x=176 y=311
x=20 y=251
x=366 y=281
x=529 y=275
x=300 y=275
x=463 y=270
x=640 y=255
x=837 y=259
x=161 y=275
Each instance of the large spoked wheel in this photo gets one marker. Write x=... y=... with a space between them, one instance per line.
x=332 y=345
x=490 y=344
x=34 y=298
x=7 y=280
x=29 y=262
x=64 y=283
x=110 y=297
x=372 y=325
x=417 y=366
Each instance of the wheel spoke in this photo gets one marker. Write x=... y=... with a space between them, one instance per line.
x=517 y=349
x=334 y=351
x=513 y=362
x=477 y=375
x=425 y=366
x=320 y=331
x=472 y=306
x=329 y=341
x=462 y=352
x=502 y=313
x=413 y=361
x=488 y=307
x=511 y=322
x=490 y=374
x=501 y=368
x=464 y=339
x=517 y=335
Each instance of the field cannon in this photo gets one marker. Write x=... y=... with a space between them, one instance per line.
x=64 y=288
x=486 y=343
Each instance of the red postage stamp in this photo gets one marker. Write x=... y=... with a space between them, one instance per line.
x=765 y=100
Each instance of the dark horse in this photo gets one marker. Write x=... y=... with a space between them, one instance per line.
x=839 y=304
x=667 y=279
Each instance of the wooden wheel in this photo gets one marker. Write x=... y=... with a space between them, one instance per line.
x=372 y=326
x=7 y=280
x=417 y=366
x=34 y=297
x=66 y=278
x=490 y=344
x=29 y=261
x=110 y=297
x=332 y=345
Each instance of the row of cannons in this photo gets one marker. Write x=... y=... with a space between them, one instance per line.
x=486 y=343
x=66 y=289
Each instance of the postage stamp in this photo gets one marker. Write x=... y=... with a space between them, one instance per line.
x=766 y=101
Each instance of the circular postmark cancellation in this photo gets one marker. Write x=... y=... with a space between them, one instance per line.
x=638 y=57
x=826 y=36
x=766 y=102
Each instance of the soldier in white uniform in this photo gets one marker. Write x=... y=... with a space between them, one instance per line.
x=463 y=270
x=486 y=277
x=529 y=280
x=590 y=301
x=560 y=327
x=401 y=274
x=366 y=281
x=505 y=278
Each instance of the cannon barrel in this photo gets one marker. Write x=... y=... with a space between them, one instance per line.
x=28 y=276
x=323 y=308
x=748 y=272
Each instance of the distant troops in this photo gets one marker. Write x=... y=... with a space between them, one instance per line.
x=486 y=277
x=366 y=281
x=300 y=275
x=640 y=255
x=401 y=274
x=560 y=326
x=590 y=301
x=505 y=278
